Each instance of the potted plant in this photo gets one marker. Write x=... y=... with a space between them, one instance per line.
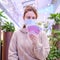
x=56 y=28
x=8 y=29
x=1 y=16
x=55 y=38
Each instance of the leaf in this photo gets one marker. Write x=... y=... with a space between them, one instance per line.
x=1 y=15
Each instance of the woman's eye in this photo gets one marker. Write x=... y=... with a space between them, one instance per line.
x=33 y=18
x=28 y=17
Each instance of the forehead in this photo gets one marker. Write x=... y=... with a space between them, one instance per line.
x=30 y=13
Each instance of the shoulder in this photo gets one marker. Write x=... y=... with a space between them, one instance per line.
x=16 y=32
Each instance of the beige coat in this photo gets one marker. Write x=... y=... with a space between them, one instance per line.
x=21 y=47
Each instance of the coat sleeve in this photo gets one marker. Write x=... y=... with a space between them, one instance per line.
x=12 y=51
x=41 y=50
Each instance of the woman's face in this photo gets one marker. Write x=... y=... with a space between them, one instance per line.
x=30 y=15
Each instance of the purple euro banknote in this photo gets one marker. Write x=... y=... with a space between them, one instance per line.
x=34 y=29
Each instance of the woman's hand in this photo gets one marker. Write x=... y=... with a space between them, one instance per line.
x=34 y=38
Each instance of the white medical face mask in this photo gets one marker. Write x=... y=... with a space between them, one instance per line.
x=30 y=22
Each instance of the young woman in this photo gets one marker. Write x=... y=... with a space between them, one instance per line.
x=27 y=46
